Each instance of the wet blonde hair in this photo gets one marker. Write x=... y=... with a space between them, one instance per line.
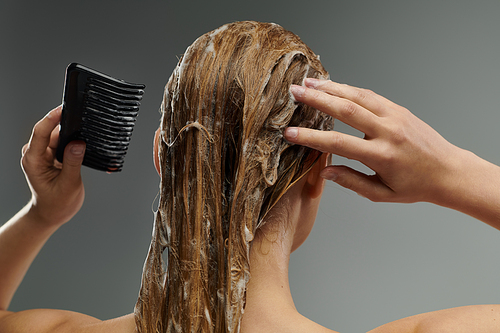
x=224 y=164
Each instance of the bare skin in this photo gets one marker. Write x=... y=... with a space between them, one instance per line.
x=55 y=186
x=57 y=195
x=411 y=162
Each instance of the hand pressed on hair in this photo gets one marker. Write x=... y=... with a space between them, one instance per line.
x=412 y=162
x=57 y=189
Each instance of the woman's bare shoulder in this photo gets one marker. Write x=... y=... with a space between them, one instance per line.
x=466 y=319
x=474 y=318
x=59 y=321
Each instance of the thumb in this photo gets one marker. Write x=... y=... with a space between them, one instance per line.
x=73 y=158
x=370 y=187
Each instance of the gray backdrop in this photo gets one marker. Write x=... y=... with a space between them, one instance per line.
x=364 y=264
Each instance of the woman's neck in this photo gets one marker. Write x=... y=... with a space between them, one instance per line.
x=269 y=303
x=268 y=296
x=269 y=261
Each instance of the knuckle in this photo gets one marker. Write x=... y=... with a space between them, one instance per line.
x=327 y=83
x=307 y=137
x=28 y=161
x=25 y=162
x=348 y=110
x=387 y=157
x=398 y=135
x=312 y=94
x=337 y=142
x=346 y=182
x=330 y=87
x=306 y=95
x=24 y=149
x=368 y=92
x=36 y=130
x=362 y=95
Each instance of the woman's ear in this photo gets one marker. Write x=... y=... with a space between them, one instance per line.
x=314 y=184
x=156 y=158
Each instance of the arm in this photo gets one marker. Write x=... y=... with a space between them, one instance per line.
x=57 y=195
x=412 y=162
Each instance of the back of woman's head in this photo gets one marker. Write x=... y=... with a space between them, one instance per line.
x=224 y=164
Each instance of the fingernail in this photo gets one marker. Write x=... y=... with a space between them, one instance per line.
x=291 y=133
x=297 y=91
x=311 y=82
x=77 y=149
x=329 y=174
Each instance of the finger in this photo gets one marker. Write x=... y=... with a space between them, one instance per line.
x=40 y=138
x=368 y=186
x=363 y=97
x=54 y=138
x=342 y=109
x=72 y=160
x=331 y=142
x=23 y=150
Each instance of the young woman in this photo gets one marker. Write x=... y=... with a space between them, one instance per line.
x=236 y=197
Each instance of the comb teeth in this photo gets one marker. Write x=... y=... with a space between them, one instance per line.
x=101 y=111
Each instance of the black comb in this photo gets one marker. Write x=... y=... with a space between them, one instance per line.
x=101 y=111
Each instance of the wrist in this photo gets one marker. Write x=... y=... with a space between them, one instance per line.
x=38 y=219
x=471 y=185
x=453 y=180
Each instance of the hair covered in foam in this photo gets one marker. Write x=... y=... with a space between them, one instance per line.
x=224 y=163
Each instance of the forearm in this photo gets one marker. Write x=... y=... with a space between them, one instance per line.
x=57 y=195
x=472 y=186
x=21 y=238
